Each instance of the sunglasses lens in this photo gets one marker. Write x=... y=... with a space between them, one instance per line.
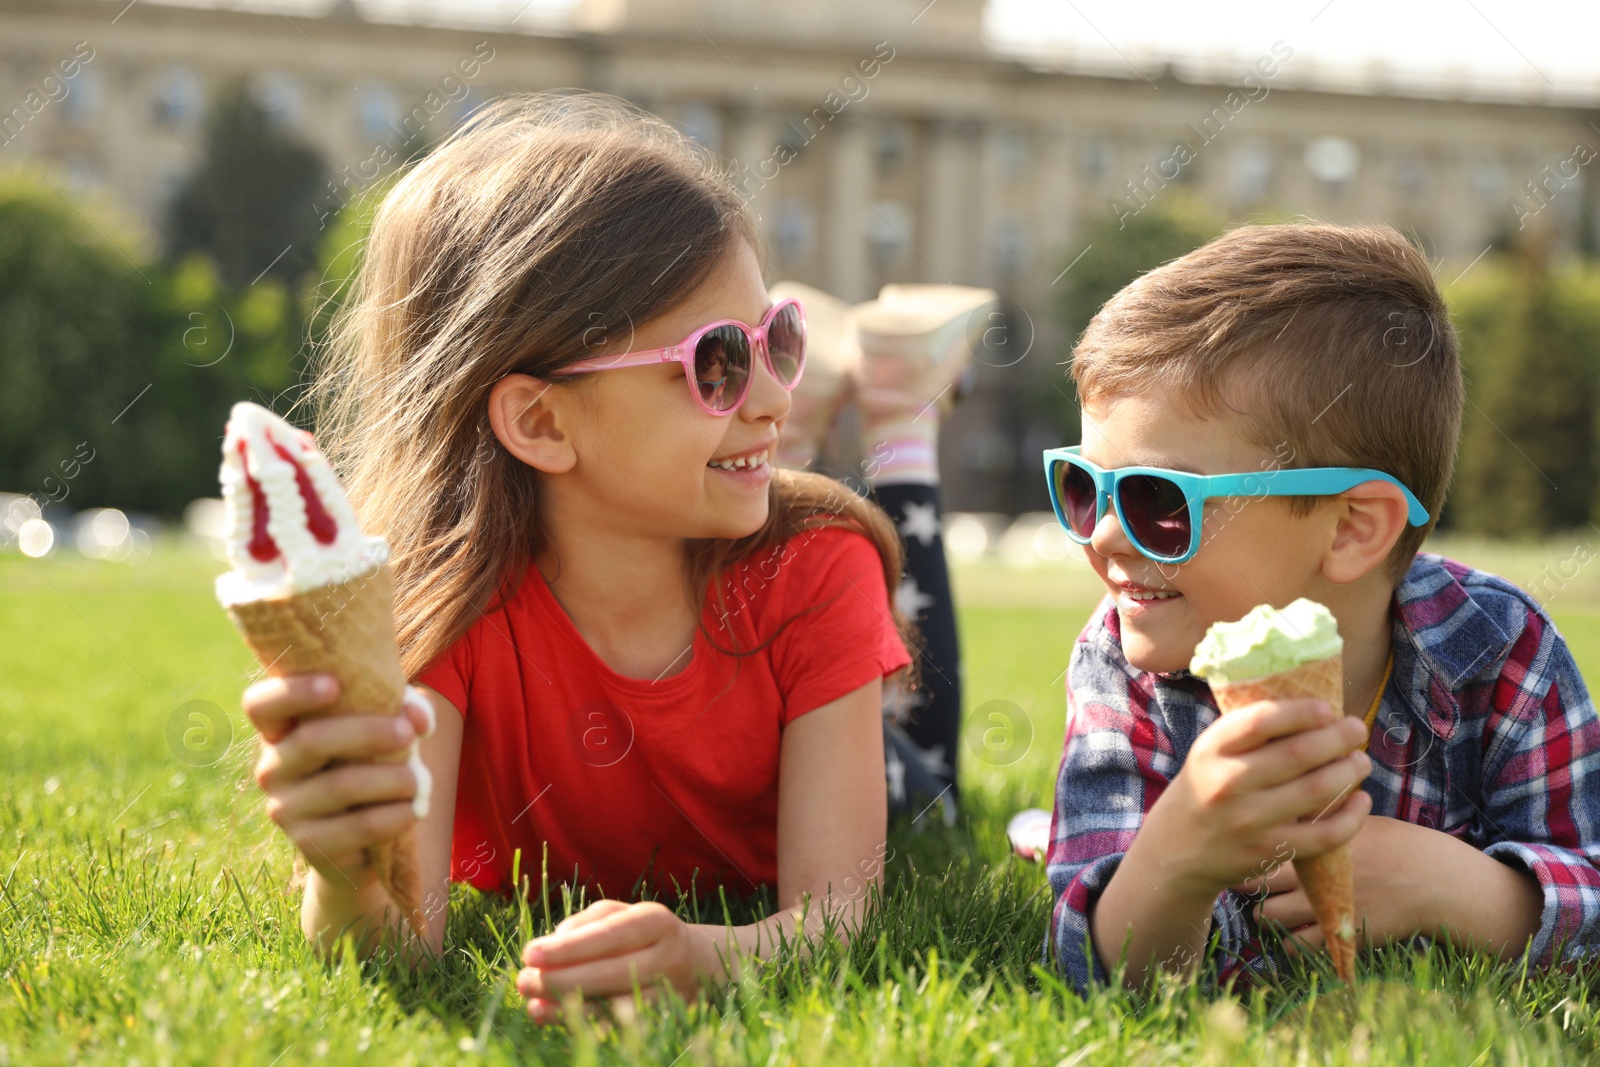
x=786 y=343
x=722 y=367
x=1075 y=489
x=1157 y=513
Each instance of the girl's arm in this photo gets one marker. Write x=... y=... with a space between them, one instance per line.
x=332 y=813
x=832 y=821
x=329 y=905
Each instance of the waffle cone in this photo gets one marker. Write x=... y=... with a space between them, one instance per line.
x=1328 y=879
x=347 y=630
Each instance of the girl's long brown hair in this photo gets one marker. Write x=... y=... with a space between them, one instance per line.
x=537 y=234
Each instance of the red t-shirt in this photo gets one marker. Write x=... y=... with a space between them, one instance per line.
x=672 y=780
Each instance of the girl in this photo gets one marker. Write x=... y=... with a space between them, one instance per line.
x=655 y=662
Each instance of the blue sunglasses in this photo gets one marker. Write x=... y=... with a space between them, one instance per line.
x=1162 y=511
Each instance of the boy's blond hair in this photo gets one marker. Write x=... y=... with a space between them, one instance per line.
x=1331 y=340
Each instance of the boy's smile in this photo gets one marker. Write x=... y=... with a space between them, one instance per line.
x=1252 y=550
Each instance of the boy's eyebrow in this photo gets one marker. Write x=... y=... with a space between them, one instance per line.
x=1132 y=459
x=1164 y=462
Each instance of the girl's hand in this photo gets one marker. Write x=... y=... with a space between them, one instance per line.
x=601 y=952
x=322 y=787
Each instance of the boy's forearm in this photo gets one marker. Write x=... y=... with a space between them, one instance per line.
x=1494 y=905
x=1169 y=928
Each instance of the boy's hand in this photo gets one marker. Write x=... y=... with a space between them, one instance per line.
x=1409 y=880
x=1394 y=867
x=1266 y=781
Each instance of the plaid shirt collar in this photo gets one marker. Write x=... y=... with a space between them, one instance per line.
x=1448 y=637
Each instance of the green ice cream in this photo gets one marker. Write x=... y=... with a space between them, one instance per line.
x=1267 y=641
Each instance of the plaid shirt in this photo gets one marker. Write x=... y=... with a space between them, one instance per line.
x=1485 y=731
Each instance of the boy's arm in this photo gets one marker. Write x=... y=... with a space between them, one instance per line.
x=1116 y=761
x=1542 y=794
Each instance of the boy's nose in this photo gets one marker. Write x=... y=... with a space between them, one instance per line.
x=1108 y=538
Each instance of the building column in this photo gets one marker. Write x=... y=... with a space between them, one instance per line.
x=947 y=209
x=849 y=207
x=749 y=144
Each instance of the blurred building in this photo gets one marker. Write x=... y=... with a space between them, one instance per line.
x=880 y=141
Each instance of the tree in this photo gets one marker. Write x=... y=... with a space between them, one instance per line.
x=120 y=400
x=1528 y=463
x=1118 y=252
x=255 y=194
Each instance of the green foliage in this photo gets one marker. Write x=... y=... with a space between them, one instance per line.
x=339 y=254
x=257 y=191
x=146 y=916
x=1119 y=250
x=1530 y=349
x=116 y=373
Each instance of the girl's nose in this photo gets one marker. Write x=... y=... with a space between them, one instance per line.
x=767 y=399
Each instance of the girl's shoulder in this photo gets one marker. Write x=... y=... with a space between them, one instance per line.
x=813 y=552
x=818 y=563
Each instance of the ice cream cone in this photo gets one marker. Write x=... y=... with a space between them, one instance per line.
x=1328 y=879
x=310 y=592
x=346 y=629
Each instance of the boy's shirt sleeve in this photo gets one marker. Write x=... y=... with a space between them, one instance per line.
x=1542 y=788
x=1118 y=757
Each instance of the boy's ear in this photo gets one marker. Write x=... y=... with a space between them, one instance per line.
x=529 y=417
x=1370 y=519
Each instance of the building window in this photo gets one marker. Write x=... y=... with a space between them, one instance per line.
x=82 y=174
x=177 y=97
x=378 y=111
x=1015 y=153
x=282 y=97
x=1250 y=169
x=793 y=230
x=1411 y=176
x=1095 y=158
x=701 y=122
x=1487 y=176
x=792 y=133
x=893 y=147
x=82 y=101
x=1010 y=248
x=1334 y=160
x=889 y=234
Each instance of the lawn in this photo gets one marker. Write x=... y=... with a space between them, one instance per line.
x=145 y=915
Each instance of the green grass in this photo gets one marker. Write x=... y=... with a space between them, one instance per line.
x=145 y=914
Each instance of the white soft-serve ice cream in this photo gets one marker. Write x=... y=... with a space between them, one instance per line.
x=291 y=529
x=290 y=526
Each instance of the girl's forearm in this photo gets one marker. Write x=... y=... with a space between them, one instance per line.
x=329 y=912
x=729 y=946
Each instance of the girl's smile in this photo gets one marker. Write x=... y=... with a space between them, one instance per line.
x=751 y=462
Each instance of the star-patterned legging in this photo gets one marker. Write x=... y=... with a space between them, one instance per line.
x=922 y=729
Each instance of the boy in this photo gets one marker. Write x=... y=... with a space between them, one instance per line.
x=1464 y=772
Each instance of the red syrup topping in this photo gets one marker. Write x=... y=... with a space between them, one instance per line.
x=318 y=521
x=262 y=546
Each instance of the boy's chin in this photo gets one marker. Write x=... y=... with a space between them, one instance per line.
x=1160 y=657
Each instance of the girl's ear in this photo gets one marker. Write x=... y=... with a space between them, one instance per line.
x=528 y=415
x=1371 y=518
